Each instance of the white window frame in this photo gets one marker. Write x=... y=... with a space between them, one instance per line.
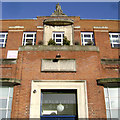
x=109 y=102
x=5 y=39
x=8 y=99
x=114 y=41
x=55 y=38
x=83 y=37
x=24 y=40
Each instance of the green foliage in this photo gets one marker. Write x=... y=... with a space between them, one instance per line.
x=51 y=42
x=66 y=41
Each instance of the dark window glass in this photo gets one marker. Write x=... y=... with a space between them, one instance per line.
x=59 y=102
x=58 y=40
x=116 y=45
x=1 y=40
x=87 y=35
x=2 y=36
x=29 y=35
x=58 y=44
x=1 y=45
x=58 y=35
x=87 y=40
x=114 y=36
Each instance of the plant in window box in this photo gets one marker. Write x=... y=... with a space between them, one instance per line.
x=51 y=42
x=90 y=43
x=66 y=41
x=40 y=42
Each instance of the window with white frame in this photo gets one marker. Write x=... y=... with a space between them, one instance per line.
x=58 y=37
x=115 y=40
x=29 y=38
x=112 y=98
x=87 y=38
x=6 y=95
x=3 y=39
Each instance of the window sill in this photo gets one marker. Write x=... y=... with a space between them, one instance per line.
x=58 y=48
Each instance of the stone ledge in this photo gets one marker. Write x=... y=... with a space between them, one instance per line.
x=58 y=21
x=58 y=48
x=110 y=61
x=7 y=61
x=109 y=82
x=10 y=81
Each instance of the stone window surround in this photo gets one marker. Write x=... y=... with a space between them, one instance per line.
x=38 y=85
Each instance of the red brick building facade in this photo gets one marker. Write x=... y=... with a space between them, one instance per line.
x=81 y=69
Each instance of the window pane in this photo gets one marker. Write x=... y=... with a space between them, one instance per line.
x=53 y=35
x=59 y=103
x=2 y=114
x=87 y=35
x=1 y=45
x=117 y=45
x=105 y=92
x=58 y=35
x=114 y=103
x=3 y=103
x=29 y=35
x=58 y=40
x=11 y=92
x=113 y=92
x=58 y=44
x=10 y=103
x=87 y=40
x=114 y=36
x=107 y=103
x=114 y=113
x=1 y=40
x=2 y=36
x=9 y=114
x=4 y=91
x=108 y=113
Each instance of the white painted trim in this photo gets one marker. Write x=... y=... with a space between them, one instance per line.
x=39 y=26
x=101 y=31
x=15 y=30
x=16 y=27
x=76 y=26
x=100 y=27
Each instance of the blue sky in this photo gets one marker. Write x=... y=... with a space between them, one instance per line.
x=86 y=10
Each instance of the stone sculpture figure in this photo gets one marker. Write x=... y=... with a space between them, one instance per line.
x=58 y=11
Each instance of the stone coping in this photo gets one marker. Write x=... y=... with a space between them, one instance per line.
x=110 y=61
x=58 y=48
x=58 y=21
x=9 y=81
x=7 y=61
x=109 y=82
